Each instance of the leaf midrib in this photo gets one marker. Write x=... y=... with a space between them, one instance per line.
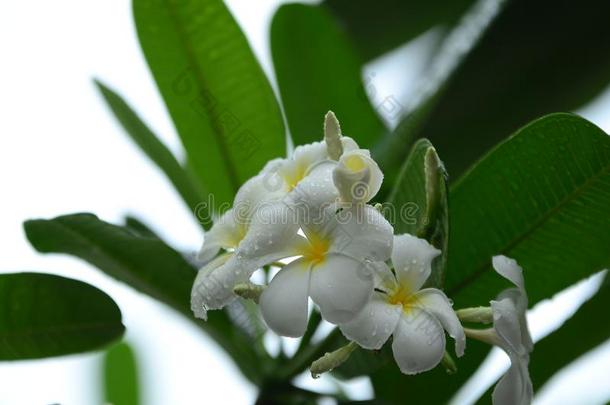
x=543 y=219
x=202 y=84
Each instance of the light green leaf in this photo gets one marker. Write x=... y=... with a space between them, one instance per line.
x=317 y=71
x=150 y=144
x=44 y=315
x=145 y=263
x=121 y=385
x=217 y=94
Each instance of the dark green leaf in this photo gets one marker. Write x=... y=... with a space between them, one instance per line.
x=217 y=94
x=541 y=197
x=418 y=202
x=536 y=58
x=43 y=315
x=121 y=376
x=157 y=152
x=140 y=228
x=145 y=263
x=378 y=26
x=318 y=71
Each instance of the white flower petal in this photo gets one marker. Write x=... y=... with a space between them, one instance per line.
x=284 y=302
x=226 y=233
x=374 y=324
x=515 y=387
x=256 y=192
x=357 y=176
x=419 y=342
x=213 y=286
x=509 y=269
x=363 y=233
x=316 y=191
x=340 y=286
x=436 y=303
x=348 y=144
x=507 y=324
x=412 y=259
x=273 y=235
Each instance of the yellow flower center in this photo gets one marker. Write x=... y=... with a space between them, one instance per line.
x=294 y=175
x=317 y=248
x=403 y=296
x=354 y=163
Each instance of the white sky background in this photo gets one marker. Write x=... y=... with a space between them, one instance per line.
x=62 y=152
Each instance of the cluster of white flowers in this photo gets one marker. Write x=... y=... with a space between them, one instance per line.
x=311 y=212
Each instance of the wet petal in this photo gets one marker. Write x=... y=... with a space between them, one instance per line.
x=412 y=259
x=272 y=235
x=340 y=286
x=226 y=233
x=372 y=326
x=362 y=233
x=314 y=192
x=507 y=324
x=419 y=342
x=213 y=286
x=436 y=303
x=284 y=303
x=357 y=176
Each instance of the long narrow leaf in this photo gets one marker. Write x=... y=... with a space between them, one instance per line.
x=217 y=94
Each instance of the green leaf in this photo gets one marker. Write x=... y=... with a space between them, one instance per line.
x=379 y=26
x=217 y=94
x=418 y=202
x=121 y=376
x=542 y=197
x=317 y=71
x=536 y=58
x=145 y=263
x=43 y=315
x=157 y=152
x=139 y=227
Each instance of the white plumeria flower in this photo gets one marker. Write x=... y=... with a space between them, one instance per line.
x=512 y=335
x=263 y=223
x=333 y=268
x=415 y=317
x=357 y=176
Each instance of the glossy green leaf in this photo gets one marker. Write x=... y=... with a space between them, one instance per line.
x=121 y=386
x=44 y=315
x=536 y=58
x=150 y=144
x=378 y=26
x=317 y=71
x=542 y=197
x=418 y=202
x=217 y=94
x=145 y=263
